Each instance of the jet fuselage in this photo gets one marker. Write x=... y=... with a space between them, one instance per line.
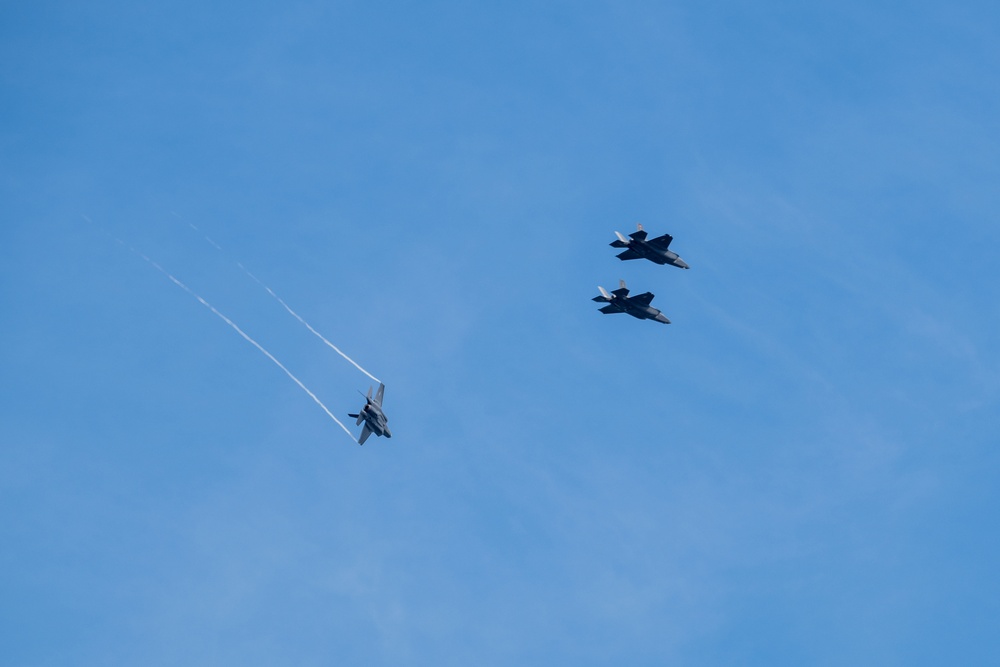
x=637 y=306
x=372 y=415
x=639 y=312
x=376 y=420
x=660 y=257
x=639 y=246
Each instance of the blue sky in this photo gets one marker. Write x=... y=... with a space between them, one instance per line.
x=799 y=470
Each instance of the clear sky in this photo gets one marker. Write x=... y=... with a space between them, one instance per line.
x=800 y=470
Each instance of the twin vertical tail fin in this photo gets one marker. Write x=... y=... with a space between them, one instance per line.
x=639 y=234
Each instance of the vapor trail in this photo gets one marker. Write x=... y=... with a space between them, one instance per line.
x=240 y=332
x=288 y=308
x=217 y=246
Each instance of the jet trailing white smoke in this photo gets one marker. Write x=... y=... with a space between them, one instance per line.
x=241 y=333
x=288 y=308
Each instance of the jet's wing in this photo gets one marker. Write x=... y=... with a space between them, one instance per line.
x=662 y=242
x=611 y=310
x=642 y=299
x=365 y=432
x=379 y=393
x=628 y=254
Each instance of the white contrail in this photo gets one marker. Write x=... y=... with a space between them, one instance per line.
x=241 y=333
x=217 y=246
x=288 y=308
x=299 y=318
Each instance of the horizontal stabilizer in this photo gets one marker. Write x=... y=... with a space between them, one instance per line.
x=639 y=235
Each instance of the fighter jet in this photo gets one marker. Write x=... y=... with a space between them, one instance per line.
x=373 y=417
x=655 y=250
x=637 y=306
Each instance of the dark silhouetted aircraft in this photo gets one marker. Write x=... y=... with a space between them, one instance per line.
x=637 y=306
x=655 y=250
x=375 y=420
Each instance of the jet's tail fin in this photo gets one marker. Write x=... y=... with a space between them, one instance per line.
x=604 y=296
x=622 y=290
x=620 y=242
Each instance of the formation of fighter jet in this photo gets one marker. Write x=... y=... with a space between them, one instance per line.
x=636 y=246
x=655 y=250
x=375 y=420
x=637 y=306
